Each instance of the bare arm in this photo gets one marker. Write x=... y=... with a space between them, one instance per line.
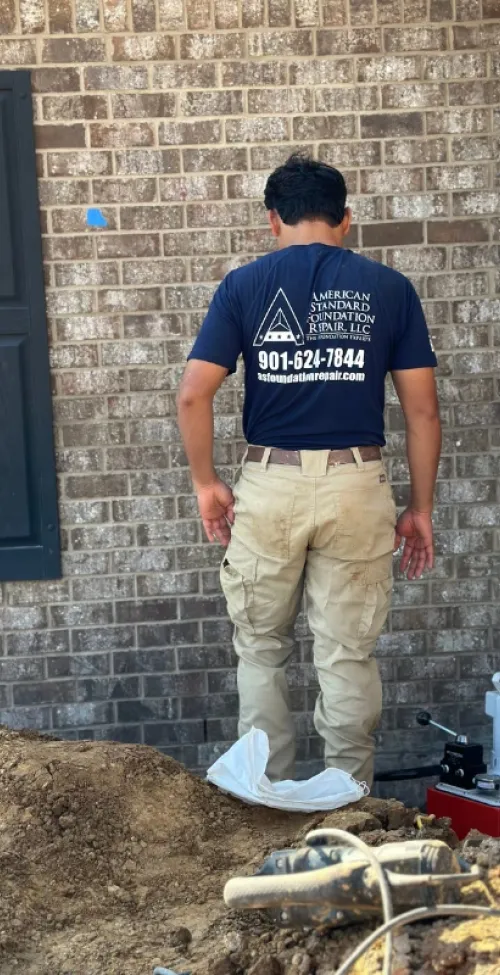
x=198 y=387
x=416 y=389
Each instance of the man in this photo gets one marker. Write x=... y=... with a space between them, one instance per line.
x=319 y=327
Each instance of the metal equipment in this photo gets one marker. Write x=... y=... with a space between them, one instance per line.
x=325 y=886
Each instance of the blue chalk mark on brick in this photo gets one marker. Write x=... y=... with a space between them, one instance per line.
x=95 y=218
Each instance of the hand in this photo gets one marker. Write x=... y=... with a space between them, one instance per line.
x=216 y=504
x=418 y=553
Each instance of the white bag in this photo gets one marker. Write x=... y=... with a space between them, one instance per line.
x=242 y=773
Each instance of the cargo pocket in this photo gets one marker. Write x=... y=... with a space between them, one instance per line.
x=378 y=592
x=237 y=581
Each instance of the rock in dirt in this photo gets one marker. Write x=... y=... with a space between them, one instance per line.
x=179 y=938
x=266 y=965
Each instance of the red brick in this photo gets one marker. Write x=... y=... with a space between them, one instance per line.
x=55 y=79
x=61 y=192
x=466 y=121
x=253 y=13
x=171 y=14
x=471 y=64
x=413 y=96
x=32 y=16
x=7 y=17
x=342 y=154
x=217 y=215
x=79 y=163
x=414 y=11
x=121 y=135
x=279 y=13
x=68 y=49
x=60 y=16
x=280 y=43
x=58 y=107
x=147 y=162
x=411 y=152
x=324 y=127
x=226 y=14
x=124 y=190
x=394 y=124
x=343 y=99
x=143 y=218
x=356 y=41
x=319 y=71
x=87 y=16
x=143 y=15
x=135 y=299
x=441 y=10
x=17 y=53
x=189 y=133
x=196 y=242
x=114 y=77
x=400 y=39
x=199 y=47
x=128 y=245
x=393 y=180
x=67 y=248
x=147 y=106
x=335 y=12
x=199 y=14
x=471 y=150
x=176 y=188
x=116 y=14
x=74 y=220
x=153 y=272
x=211 y=103
x=392 y=234
x=171 y=76
x=59 y=136
x=156 y=47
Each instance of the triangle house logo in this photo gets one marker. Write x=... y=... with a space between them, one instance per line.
x=280 y=323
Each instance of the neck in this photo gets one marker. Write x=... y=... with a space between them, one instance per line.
x=310 y=232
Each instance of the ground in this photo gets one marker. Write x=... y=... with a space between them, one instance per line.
x=113 y=859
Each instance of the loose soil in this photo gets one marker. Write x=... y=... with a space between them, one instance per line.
x=113 y=860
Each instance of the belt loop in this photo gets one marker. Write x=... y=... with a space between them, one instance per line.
x=244 y=458
x=265 y=458
x=356 y=453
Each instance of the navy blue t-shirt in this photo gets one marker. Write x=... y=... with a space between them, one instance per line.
x=319 y=328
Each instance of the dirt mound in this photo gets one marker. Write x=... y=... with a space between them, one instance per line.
x=113 y=859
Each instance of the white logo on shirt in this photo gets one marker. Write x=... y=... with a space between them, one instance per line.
x=280 y=323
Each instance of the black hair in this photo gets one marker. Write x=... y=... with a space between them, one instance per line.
x=304 y=189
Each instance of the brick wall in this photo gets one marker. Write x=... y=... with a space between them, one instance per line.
x=166 y=116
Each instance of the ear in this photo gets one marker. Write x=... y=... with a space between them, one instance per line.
x=274 y=222
x=347 y=221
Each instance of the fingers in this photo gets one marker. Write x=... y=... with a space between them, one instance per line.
x=217 y=530
x=230 y=513
x=407 y=554
x=417 y=558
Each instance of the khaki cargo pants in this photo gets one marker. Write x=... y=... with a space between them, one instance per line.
x=328 y=531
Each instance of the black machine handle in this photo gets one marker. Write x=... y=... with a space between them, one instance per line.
x=403 y=774
x=424 y=718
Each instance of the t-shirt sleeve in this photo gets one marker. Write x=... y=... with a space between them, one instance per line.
x=413 y=347
x=219 y=338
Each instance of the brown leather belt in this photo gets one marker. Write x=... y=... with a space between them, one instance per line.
x=292 y=457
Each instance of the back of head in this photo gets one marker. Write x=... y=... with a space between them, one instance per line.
x=305 y=189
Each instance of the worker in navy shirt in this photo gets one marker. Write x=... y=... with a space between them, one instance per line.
x=312 y=514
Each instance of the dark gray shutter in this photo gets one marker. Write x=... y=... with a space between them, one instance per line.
x=29 y=534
